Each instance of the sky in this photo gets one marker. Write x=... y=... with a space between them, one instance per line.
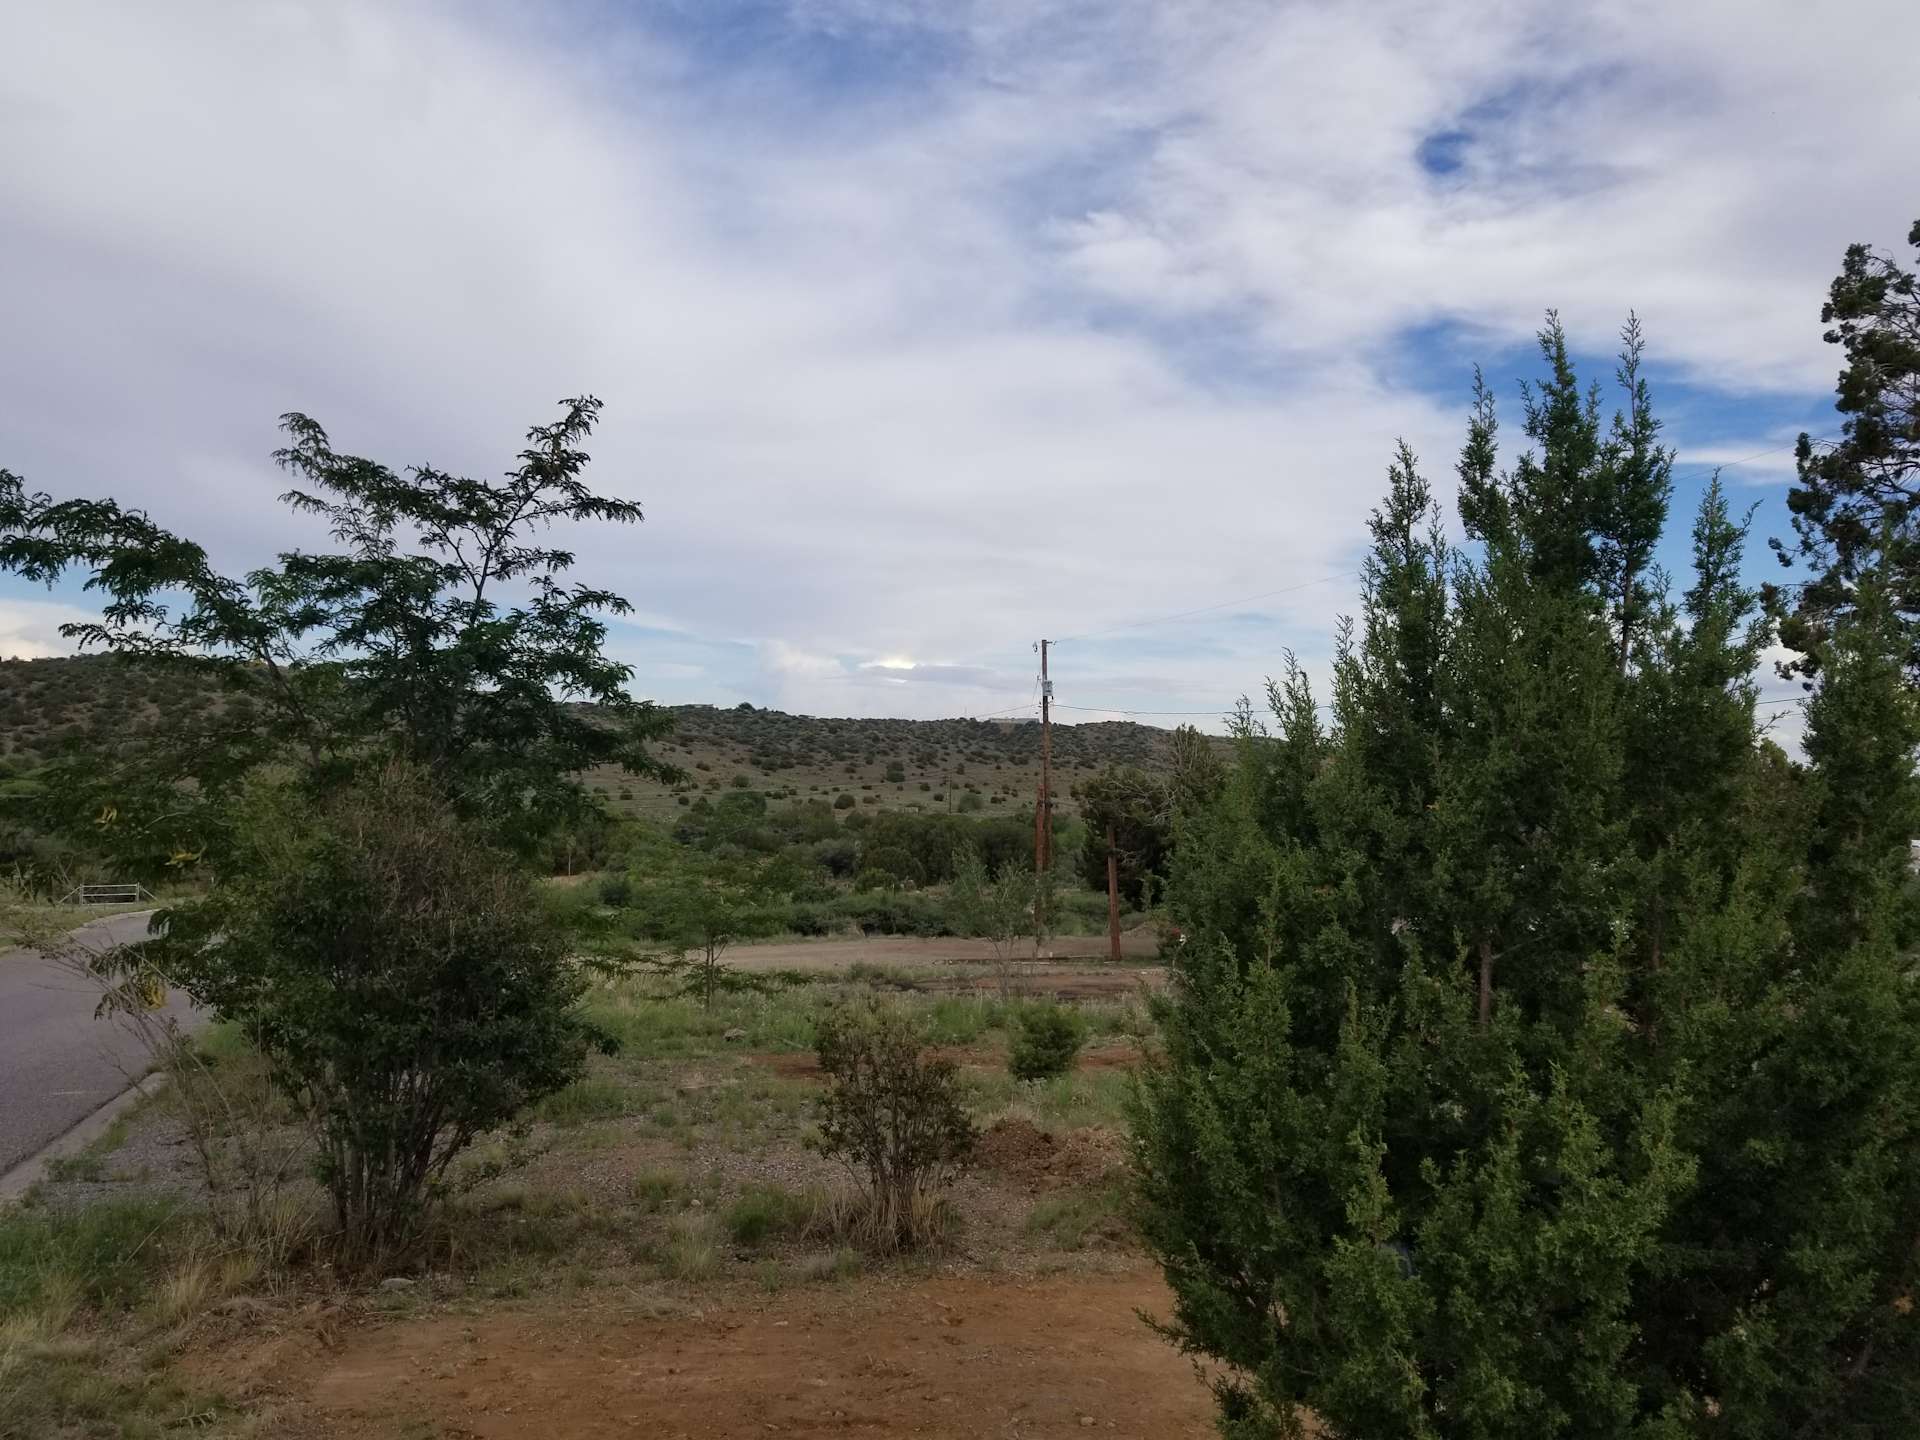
x=925 y=328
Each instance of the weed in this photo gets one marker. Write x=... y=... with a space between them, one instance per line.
x=885 y=1221
x=89 y=1166
x=104 y=1257
x=657 y=1190
x=770 y=1212
x=841 y=1263
x=185 y=1290
x=693 y=1247
x=112 y=1256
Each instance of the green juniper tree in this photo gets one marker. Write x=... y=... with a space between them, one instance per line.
x=1135 y=809
x=1540 y=1062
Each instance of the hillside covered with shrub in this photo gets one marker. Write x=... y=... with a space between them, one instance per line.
x=962 y=766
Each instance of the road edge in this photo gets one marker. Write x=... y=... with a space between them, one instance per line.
x=29 y=1172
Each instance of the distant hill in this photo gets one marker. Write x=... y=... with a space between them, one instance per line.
x=900 y=764
x=888 y=764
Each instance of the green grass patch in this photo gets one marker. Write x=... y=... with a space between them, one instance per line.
x=594 y=1097
x=104 y=1257
x=108 y=1259
x=1075 y=1219
x=649 y=1020
x=765 y=1213
x=1076 y=1101
x=65 y=1388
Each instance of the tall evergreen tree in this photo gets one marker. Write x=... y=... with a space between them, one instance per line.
x=1854 y=500
x=1540 y=1060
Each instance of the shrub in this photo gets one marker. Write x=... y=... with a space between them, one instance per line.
x=616 y=889
x=406 y=988
x=897 y=862
x=1046 y=1041
x=768 y=1212
x=844 y=801
x=892 y=1114
x=896 y=773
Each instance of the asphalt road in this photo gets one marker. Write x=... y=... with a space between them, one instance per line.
x=57 y=1063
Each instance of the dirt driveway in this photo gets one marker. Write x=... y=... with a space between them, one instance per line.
x=943 y=1357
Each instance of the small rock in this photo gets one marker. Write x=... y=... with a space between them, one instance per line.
x=396 y=1282
x=1087 y=1421
x=735 y=1034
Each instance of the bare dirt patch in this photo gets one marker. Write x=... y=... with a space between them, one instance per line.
x=1020 y=1152
x=949 y=1356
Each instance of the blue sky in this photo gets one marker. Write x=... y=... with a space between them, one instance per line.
x=924 y=329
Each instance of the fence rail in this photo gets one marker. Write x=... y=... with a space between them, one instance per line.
x=107 y=895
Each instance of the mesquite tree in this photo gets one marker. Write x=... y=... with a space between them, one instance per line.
x=1542 y=1060
x=400 y=978
x=442 y=632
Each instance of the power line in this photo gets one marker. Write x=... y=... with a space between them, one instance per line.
x=1119 y=710
x=1699 y=468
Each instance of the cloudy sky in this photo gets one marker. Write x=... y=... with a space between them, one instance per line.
x=925 y=327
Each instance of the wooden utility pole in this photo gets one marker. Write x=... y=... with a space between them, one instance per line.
x=1043 y=811
x=1113 y=897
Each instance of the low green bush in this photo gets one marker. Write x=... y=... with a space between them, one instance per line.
x=894 y=1113
x=1046 y=1041
x=768 y=1212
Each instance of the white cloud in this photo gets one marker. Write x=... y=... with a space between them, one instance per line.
x=1094 y=319
x=30 y=629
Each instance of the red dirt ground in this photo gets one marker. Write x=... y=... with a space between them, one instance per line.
x=942 y=1357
